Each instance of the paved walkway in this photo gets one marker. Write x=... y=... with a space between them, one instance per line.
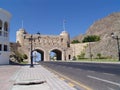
x=37 y=78
x=6 y=72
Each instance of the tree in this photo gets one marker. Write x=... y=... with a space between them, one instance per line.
x=75 y=41
x=25 y=56
x=19 y=57
x=99 y=55
x=74 y=58
x=91 y=38
x=81 y=56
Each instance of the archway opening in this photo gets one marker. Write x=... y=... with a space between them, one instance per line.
x=69 y=57
x=56 y=54
x=38 y=55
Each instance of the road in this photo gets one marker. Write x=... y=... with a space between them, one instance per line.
x=98 y=76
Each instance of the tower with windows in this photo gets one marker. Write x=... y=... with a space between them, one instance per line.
x=5 y=17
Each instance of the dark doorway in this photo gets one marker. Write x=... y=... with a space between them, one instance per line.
x=69 y=57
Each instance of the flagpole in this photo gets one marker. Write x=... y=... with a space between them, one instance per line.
x=64 y=24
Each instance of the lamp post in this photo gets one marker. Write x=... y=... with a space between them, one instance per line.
x=117 y=38
x=90 y=51
x=31 y=50
x=65 y=54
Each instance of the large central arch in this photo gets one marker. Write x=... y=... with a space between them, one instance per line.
x=41 y=52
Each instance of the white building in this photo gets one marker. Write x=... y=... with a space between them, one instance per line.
x=4 y=36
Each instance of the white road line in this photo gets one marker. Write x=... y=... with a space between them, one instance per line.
x=109 y=74
x=107 y=81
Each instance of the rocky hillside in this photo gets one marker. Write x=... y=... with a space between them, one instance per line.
x=107 y=46
x=105 y=26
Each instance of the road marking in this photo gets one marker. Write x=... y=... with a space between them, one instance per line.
x=62 y=79
x=75 y=82
x=72 y=85
x=109 y=74
x=107 y=81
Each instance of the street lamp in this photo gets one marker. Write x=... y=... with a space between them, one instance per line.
x=89 y=43
x=65 y=54
x=31 y=51
x=117 y=38
x=90 y=51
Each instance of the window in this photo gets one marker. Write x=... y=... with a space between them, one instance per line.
x=0 y=24
x=0 y=33
x=0 y=47
x=0 y=28
x=68 y=44
x=5 y=34
x=6 y=26
x=61 y=39
x=5 y=29
x=5 y=47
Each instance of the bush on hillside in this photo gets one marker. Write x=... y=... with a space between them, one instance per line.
x=91 y=38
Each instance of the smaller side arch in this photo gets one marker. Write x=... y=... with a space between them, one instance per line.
x=58 y=53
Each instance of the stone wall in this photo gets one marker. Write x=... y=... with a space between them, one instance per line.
x=78 y=48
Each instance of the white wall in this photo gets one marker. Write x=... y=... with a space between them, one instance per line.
x=4 y=57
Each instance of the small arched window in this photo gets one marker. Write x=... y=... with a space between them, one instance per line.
x=5 y=29
x=0 y=24
x=6 y=26
x=61 y=39
x=0 y=27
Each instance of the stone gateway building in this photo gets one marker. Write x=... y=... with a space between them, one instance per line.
x=44 y=44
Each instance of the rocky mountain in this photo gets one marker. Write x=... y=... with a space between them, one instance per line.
x=79 y=38
x=105 y=26
x=107 y=46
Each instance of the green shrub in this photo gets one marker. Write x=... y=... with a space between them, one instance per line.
x=91 y=38
x=74 y=58
x=81 y=56
x=25 y=56
x=99 y=55
x=75 y=41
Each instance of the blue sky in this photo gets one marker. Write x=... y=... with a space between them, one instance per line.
x=46 y=16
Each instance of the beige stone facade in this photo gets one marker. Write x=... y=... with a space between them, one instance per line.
x=44 y=44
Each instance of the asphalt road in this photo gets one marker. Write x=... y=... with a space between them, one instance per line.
x=98 y=76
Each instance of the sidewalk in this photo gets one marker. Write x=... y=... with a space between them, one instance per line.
x=6 y=72
x=38 y=78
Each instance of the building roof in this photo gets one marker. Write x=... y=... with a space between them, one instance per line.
x=5 y=12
